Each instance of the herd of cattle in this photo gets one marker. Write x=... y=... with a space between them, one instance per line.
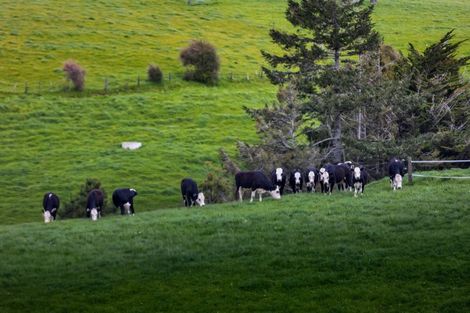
x=344 y=175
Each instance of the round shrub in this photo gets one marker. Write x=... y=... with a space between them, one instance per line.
x=201 y=61
x=154 y=74
x=74 y=73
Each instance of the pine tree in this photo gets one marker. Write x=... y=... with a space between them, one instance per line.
x=338 y=28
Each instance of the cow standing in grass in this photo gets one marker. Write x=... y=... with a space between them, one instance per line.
x=278 y=178
x=311 y=179
x=396 y=171
x=94 y=204
x=124 y=200
x=257 y=182
x=190 y=193
x=296 y=181
x=359 y=180
x=50 y=204
x=348 y=174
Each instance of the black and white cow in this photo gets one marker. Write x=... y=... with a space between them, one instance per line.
x=296 y=181
x=396 y=171
x=327 y=178
x=278 y=178
x=94 y=204
x=359 y=180
x=311 y=179
x=124 y=199
x=50 y=204
x=190 y=193
x=257 y=182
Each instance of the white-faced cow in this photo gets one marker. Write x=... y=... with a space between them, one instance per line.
x=94 y=204
x=278 y=178
x=327 y=178
x=124 y=199
x=50 y=204
x=359 y=180
x=311 y=178
x=190 y=193
x=296 y=181
x=257 y=182
x=396 y=171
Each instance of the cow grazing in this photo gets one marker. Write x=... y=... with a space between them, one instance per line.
x=257 y=182
x=359 y=180
x=278 y=178
x=296 y=181
x=396 y=171
x=124 y=199
x=94 y=204
x=191 y=195
x=50 y=204
x=311 y=179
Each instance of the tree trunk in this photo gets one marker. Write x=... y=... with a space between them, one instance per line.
x=338 y=150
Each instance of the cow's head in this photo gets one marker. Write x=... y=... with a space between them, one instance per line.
x=279 y=172
x=311 y=177
x=127 y=208
x=276 y=194
x=134 y=191
x=324 y=176
x=200 y=199
x=47 y=217
x=94 y=214
x=297 y=176
x=397 y=182
x=357 y=173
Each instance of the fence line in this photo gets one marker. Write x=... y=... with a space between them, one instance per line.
x=108 y=84
x=411 y=162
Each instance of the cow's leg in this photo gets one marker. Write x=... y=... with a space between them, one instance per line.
x=260 y=196
x=253 y=193
x=132 y=207
x=240 y=194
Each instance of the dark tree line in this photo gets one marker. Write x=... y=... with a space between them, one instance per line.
x=352 y=97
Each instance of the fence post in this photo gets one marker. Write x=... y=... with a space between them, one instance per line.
x=138 y=81
x=106 y=84
x=169 y=77
x=410 y=171
x=26 y=88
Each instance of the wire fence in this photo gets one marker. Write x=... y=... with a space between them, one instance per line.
x=433 y=163
x=111 y=84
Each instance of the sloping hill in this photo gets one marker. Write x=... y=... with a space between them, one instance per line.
x=404 y=251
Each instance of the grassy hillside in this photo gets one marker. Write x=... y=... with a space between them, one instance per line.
x=404 y=251
x=118 y=39
x=54 y=143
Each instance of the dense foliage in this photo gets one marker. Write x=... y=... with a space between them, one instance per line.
x=154 y=74
x=201 y=61
x=75 y=74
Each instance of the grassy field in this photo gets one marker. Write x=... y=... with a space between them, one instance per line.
x=404 y=251
x=118 y=39
x=53 y=141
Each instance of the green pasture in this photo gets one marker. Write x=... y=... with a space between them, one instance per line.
x=118 y=39
x=403 y=251
x=53 y=143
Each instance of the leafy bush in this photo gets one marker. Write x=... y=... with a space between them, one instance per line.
x=76 y=207
x=217 y=186
x=202 y=63
x=154 y=74
x=75 y=73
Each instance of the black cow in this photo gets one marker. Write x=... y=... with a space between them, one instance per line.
x=360 y=178
x=50 y=204
x=296 y=181
x=396 y=171
x=124 y=199
x=94 y=204
x=312 y=177
x=257 y=182
x=348 y=174
x=278 y=178
x=191 y=194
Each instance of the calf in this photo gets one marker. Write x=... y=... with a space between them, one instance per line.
x=359 y=180
x=278 y=178
x=94 y=204
x=190 y=193
x=296 y=181
x=311 y=179
x=124 y=199
x=257 y=182
x=50 y=204
x=396 y=171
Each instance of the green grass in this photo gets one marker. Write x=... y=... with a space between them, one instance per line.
x=118 y=39
x=404 y=251
x=54 y=143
